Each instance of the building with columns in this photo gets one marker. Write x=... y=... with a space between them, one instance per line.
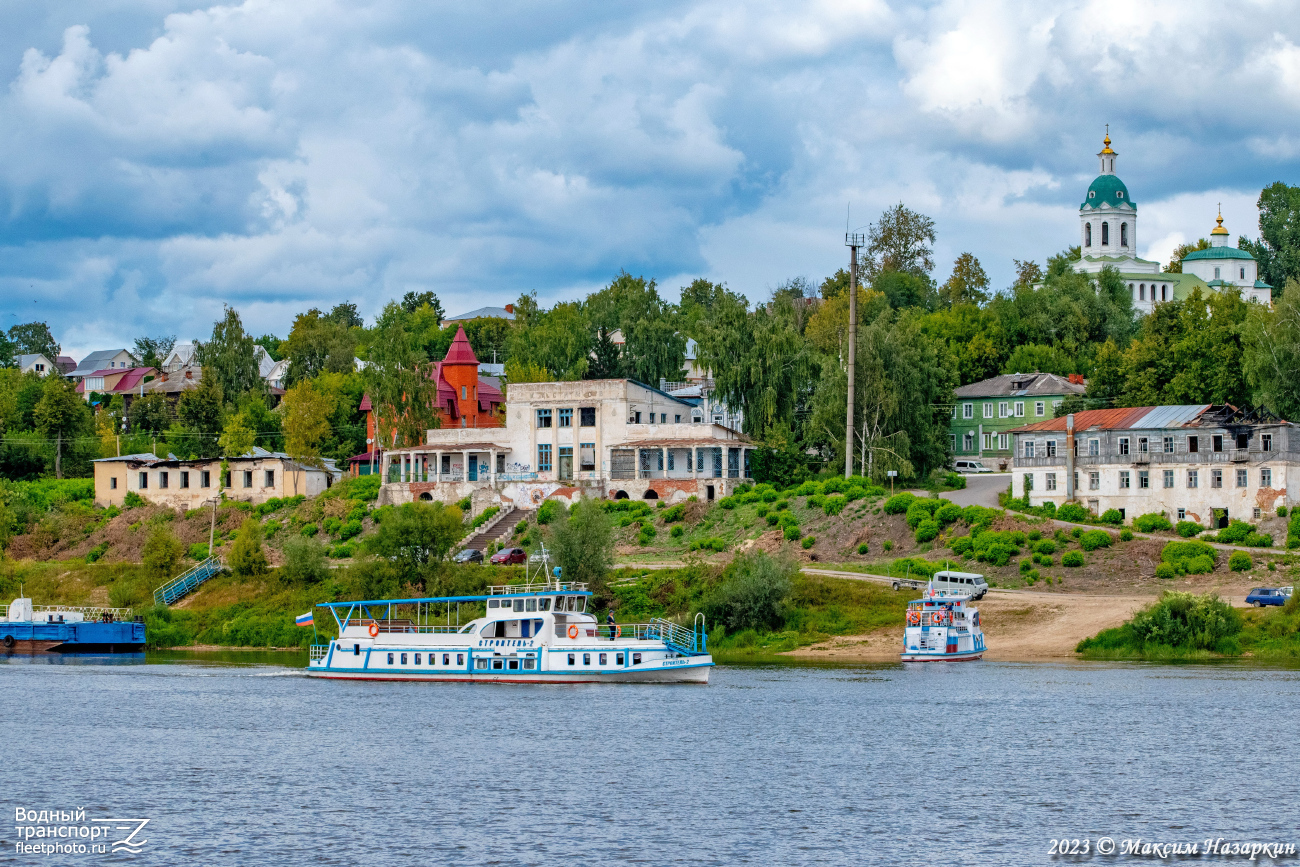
x=1108 y=226
x=609 y=438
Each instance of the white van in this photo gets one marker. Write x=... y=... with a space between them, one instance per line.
x=960 y=584
x=965 y=465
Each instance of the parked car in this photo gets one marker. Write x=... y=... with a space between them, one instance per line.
x=509 y=557
x=1261 y=596
x=469 y=555
x=957 y=583
x=968 y=466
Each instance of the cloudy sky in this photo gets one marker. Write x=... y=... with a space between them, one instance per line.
x=159 y=159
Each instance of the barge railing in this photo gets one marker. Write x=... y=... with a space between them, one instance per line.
x=87 y=611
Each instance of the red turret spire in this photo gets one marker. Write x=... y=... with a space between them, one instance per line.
x=460 y=351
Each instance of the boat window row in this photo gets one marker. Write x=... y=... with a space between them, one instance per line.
x=433 y=658
x=562 y=603
x=505 y=664
x=603 y=658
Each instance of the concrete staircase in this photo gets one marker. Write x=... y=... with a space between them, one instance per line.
x=496 y=530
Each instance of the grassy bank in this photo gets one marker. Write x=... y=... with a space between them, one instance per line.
x=1183 y=626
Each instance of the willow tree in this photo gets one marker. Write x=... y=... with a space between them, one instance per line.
x=400 y=382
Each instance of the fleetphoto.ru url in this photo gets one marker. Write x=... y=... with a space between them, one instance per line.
x=1081 y=848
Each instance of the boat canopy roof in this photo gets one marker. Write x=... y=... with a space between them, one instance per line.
x=500 y=591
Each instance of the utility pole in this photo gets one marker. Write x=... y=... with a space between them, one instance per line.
x=853 y=241
x=212 y=533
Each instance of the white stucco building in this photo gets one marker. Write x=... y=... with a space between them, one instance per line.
x=1202 y=463
x=609 y=438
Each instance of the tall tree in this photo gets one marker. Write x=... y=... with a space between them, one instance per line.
x=31 y=338
x=583 y=545
x=237 y=438
x=60 y=415
x=400 y=382
x=150 y=413
x=306 y=422
x=271 y=344
x=230 y=357
x=653 y=346
x=968 y=283
x=605 y=360
x=1278 y=247
x=416 y=536
x=201 y=410
x=413 y=301
x=345 y=313
x=1272 y=352
x=317 y=344
x=557 y=341
x=901 y=240
x=1175 y=265
x=153 y=351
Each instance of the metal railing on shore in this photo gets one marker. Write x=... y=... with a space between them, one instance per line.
x=180 y=586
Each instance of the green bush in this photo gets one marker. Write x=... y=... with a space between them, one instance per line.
x=752 y=594
x=1281 y=511
x=677 y=532
x=1126 y=535
x=770 y=495
x=1044 y=560
x=331 y=525
x=761 y=511
x=132 y=500
x=855 y=492
x=348 y=530
x=1188 y=529
x=1112 y=517
x=1240 y=561
x=835 y=505
x=920 y=510
x=1076 y=533
x=304 y=561
x=772 y=518
x=1166 y=571
x=862 y=549
x=782 y=506
x=1094 y=539
x=246 y=557
x=161 y=553
x=1047 y=546
x=817 y=501
x=481 y=518
x=1151 y=522
x=834 y=485
x=648 y=532
x=95 y=553
x=888 y=545
x=1034 y=535
x=1025 y=565
x=727 y=502
x=1072 y=559
x=549 y=510
x=899 y=503
x=1189 y=558
x=1073 y=513
x=198 y=551
x=310 y=530
x=808 y=542
x=961 y=545
x=1241 y=533
x=1179 y=621
x=948 y=513
x=1293 y=530
x=807 y=489
x=792 y=532
x=927 y=531
x=342 y=552
x=713 y=543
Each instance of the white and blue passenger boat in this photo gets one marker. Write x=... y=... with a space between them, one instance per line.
x=530 y=633
x=942 y=627
x=69 y=629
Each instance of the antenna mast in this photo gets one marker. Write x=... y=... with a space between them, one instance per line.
x=853 y=241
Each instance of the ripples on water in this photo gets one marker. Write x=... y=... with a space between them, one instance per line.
x=979 y=763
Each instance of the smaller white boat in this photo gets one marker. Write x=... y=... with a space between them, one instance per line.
x=942 y=627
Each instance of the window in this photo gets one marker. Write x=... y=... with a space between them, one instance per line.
x=636 y=418
x=988 y=409
x=1241 y=478
x=1256 y=513
x=1087 y=227
x=1051 y=482
x=1142 y=292
x=636 y=659
x=677 y=419
x=498 y=664
x=586 y=416
x=1029 y=448
x=1051 y=448
x=1123 y=227
x=1056 y=404
x=1003 y=440
x=1216 y=442
x=968 y=442
x=543 y=418
x=1039 y=407
x=1182 y=514
x=1123 y=445
x=1029 y=482
x=403 y=659
x=481 y=664
x=112 y=483
x=566 y=418
x=1003 y=409
x=572 y=658
x=162 y=478
x=1144 y=479
x=952 y=442
x=604 y=659
x=1169 y=478
x=1094 y=448
x=269 y=482
x=1216 y=478
x=185 y=479
x=460 y=659
x=1216 y=273
x=1193 y=445
x=1124 y=480
x=1169 y=445
x=1020 y=409
x=1243 y=274
x=390 y=659
x=205 y=479
x=1266 y=442
x=1094 y=481
x=1266 y=478
x=464 y=392
x=1142 y=445
x=587 y=457
x=618 y=659
x=544 y=458
x=417 y=659
x=968 y=410
x=144 y=481
x=229 y=474
x=586 y=659
x=248 y=478
x=1105 y=234
x=1193 y=479
x=987 y=442
x=446 y=659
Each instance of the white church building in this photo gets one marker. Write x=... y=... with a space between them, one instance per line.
x=1108 y=223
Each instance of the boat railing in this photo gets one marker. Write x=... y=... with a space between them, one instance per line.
x=404 y=626
x=537 y=587
x=319 y=651
x=679 y=638
x=87 y=611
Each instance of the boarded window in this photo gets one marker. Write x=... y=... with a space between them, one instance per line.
x=622 y=464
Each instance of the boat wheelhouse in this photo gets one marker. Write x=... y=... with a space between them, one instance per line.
x=942 y=627
x=529 y=633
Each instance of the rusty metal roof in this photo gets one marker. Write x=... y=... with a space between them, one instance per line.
x=1128 y=418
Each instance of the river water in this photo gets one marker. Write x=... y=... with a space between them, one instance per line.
x=979 y=763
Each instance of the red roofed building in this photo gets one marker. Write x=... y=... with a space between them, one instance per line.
x=465 y=399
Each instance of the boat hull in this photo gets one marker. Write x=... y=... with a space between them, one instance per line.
x=81 y=637
x=967 y=656
x=697 y=673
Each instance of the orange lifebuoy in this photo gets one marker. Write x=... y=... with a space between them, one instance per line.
x=374 y=629
x=618 y=631
x=914 y=618
x=573 y=631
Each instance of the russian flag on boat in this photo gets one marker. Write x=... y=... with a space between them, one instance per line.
x=304 y=620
